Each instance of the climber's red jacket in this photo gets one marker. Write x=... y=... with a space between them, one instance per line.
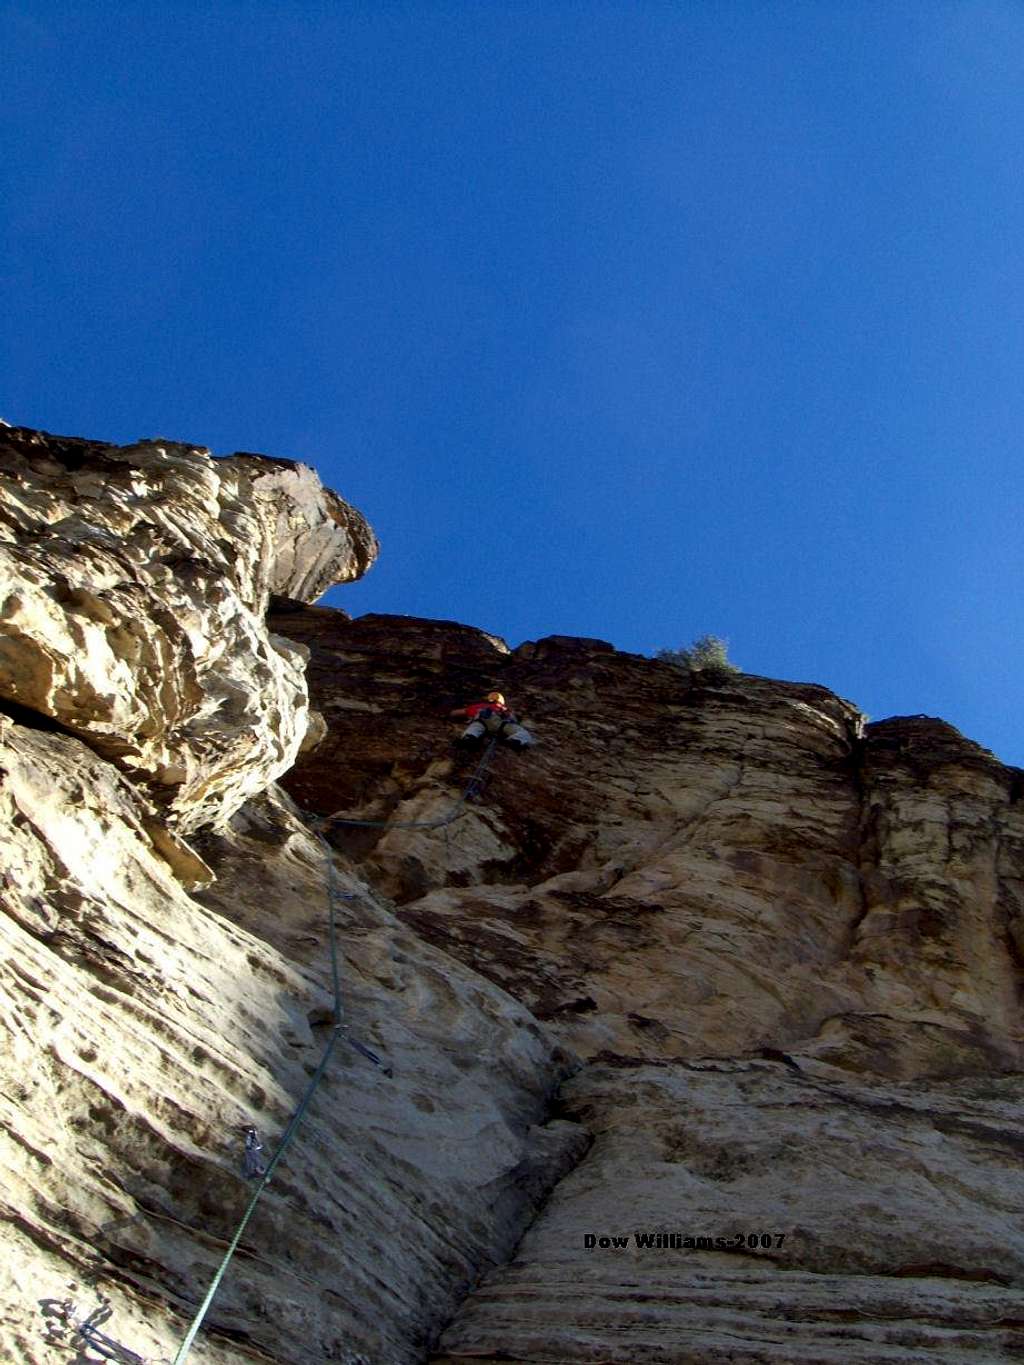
x=474 y=708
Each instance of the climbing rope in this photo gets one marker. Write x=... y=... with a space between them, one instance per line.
x=334 y=896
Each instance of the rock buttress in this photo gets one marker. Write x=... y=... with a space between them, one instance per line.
x=788 y=944
x=147 y=1027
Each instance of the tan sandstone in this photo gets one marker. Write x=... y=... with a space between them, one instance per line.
x=715 y=961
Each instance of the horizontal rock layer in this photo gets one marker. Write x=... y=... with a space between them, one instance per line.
x=748 y=1212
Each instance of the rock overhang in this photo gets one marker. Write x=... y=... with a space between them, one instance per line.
x=134 y=585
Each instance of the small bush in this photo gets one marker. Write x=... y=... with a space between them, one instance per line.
x=707 y=656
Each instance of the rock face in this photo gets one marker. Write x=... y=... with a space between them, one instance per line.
x=698 y=1026
x=746 y=1211
x=789 y=948
x=681 y=870
x=147 y=1027
x=133 y=586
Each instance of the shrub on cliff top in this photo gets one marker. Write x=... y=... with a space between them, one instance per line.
x=707 y=656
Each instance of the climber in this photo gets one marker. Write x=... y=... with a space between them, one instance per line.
x=492 y=717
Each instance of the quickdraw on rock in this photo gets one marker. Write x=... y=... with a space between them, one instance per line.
x=252 y=1163
x=87 y=1330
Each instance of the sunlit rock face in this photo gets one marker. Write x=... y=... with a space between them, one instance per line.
x=159 y=995
x=133 y=586
x=146 y=1028
x=694 y=1034
x=790 y=946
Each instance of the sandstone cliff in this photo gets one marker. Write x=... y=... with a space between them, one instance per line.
x=711 y=962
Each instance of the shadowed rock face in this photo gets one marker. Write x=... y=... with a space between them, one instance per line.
x=681 y=870
x=788 y=942
x=702 y=1019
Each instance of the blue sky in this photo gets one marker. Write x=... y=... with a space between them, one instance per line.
x=630 y=320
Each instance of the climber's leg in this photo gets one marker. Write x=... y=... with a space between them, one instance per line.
x=516 y=736
x=472 y=735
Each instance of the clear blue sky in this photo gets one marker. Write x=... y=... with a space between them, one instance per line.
x=633 y=320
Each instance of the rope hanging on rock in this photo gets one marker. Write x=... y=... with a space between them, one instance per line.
x=334 y=895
